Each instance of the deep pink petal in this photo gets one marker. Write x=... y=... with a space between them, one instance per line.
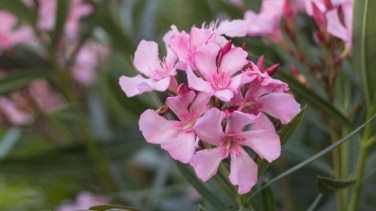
x=181 y=147
x=205 y=60
x=280 y=105
x=265 y=143
x=156 y=129
x=243 y=171
x=146 y=58
x=233 y=61
x=208 y=127
x=179 y=104
x=206 y=162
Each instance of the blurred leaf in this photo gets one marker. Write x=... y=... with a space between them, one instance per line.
x=110 y=206
x=285 y=134
x=19 y=79
x=9 y=139
x=20 y=9
x=267 y=198
x=200 y=186
x=327 y=185
x=313 y=99
x=62 y=12
x=315 y=203
x=200 y=208
x=316 y=156
x=364 y=47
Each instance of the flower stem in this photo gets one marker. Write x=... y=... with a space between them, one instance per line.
x=364 y=147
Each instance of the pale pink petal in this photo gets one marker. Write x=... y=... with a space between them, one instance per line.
x=181 y=147
x=265 y=143
x=208 y=127
x=262 y=122
x=146 y=58
x=199 y=37
x=156 y=129
x=206 y=162
x=239 y=80
x=233 y=61
x=134 y=86
x=159 y=85
x=179 y=104
x=237 y=121
x=225 y=94
x=280 y=105
x=200 y=104
x=198 y=84
x=243 y=171
x=234 y=28
x=205 y=60
x=335 y=26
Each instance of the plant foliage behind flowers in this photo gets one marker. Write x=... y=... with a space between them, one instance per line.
x=248 y=105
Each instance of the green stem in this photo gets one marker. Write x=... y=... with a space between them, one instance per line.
x=364 y=147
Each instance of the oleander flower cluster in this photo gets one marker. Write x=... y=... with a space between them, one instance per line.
x=220 y=105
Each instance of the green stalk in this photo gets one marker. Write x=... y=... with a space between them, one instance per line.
x=364 y=147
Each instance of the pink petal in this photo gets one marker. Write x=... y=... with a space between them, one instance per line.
x=225 y=94
x=181 y=147
x=146 y=58
x=233 y=61
x=335 y=27
x=198 y=84
x=130 y=85
x=234 y=28
x=243 y=171
x=200 y=104
x=199 y=37
x=206 y=162
x=262 y=122
x=237 y=121
x=179 y=104
x=156 y=129
x=280 y=105
x=205 y=60
x=208 y=127
x=265 y=143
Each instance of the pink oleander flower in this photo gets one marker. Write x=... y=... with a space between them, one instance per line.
x=87 y=61
x=13 y=114
x=220 y=77
x=9 y=34
x=229 y=143
x=185 y=45
x=84 y=201
x=176 y=137
x=160 y=75
x=47 y=15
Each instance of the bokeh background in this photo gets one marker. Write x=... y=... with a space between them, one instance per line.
x=67 y=131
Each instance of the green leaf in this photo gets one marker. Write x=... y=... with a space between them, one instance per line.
x=110 y=206
x=200 y=208
x=63 y=7
x=200 y=186
x=316 y=156
x=313 y=99
x=285 y=134
x=328 y=185
x=267 y=198
x=18 y=80
x=364 y=47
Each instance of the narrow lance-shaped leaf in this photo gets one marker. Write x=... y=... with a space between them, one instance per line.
x=364 y=47
x=63 y=7
x=113 y=207
x=328 y=185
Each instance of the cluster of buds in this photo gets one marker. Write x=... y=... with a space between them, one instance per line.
x=224 y=109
